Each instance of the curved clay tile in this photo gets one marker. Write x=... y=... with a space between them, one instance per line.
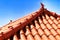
x=15 y=37
x=44 y=37
x=22 y=35
x=57 y=37
x=51 y=37
x=28 y=34
x=47 y=32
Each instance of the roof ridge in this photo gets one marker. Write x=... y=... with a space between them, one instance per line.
x=51 y=13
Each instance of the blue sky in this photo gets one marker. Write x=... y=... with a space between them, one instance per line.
x=14 y=9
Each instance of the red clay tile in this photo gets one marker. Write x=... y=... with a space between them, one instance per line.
x=58 y=31
x=40 y=21
x=36 y=24
x=43 y=26
x=33 y=30
x=45 y=21
x=51 y=37
x=37 y=37
x=53 y=32
x=54 y=20
x=47 y=32
x=15 y=37
x=57 y=37
x=40 y=31
x=50 y=21
x=35 y=33
x=8 y=39
x=58 y=25
x=47 y=17
x=22 y=35
x=48 y=26
x=52 y=17
x=28 y=34
x=44 y=37
x=54 y=26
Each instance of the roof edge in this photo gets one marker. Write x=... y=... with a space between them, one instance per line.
x=51 y=13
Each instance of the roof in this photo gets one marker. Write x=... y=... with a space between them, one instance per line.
x=40 y=25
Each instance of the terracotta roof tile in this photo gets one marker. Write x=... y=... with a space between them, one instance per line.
x=40 y=21
x=48 y=26
x=22 y=35
x=36 y=24
x=40 y=31
x=40 y=25
x=54 y=26
x=33 y=30
x=50 y=21
x=58 y=31
x=37 y=37
x=44 y=37
x=47 y=32
x=15 y=37
x=51 y=37
x=57 y=37
x=47 y=17
x=35 y=33
x=54 y=33
x=58 y=25
x=43 y=26
x=28 y=33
